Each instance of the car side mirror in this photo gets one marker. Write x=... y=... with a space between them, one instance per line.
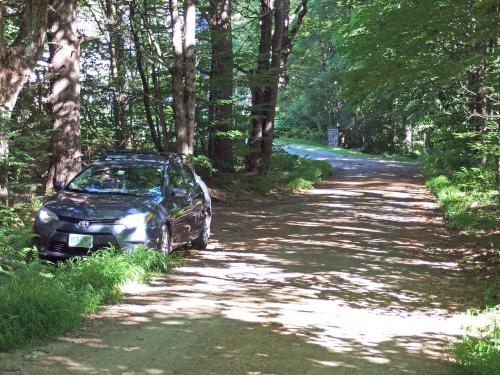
x=179 y=193
x=58 y=186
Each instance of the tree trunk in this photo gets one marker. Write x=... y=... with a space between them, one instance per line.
x=184 y=75
x=181 y=131
x=221 y=85
x=497 y=157
x=259 y=88
x=17 y=61
x=190 y=70
x=274 y=48
x=479 y=102
x=114 y=15
x=276 y=71
x=146 y=91
x=16 y=64
x=160 y=109
x=2 y=31
x=64 y=98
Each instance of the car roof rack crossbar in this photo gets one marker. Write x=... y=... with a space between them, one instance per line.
x=140 y=155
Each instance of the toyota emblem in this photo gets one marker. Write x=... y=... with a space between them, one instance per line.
x=83 y=224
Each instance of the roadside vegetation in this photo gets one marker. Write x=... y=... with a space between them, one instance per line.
x=287 y=174
x=478 y=352
x=40 y=299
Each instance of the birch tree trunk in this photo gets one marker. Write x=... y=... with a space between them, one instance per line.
x=16 y=64
x=64 y=99
x=221 y=85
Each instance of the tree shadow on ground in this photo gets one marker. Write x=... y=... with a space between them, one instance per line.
x=357 y=276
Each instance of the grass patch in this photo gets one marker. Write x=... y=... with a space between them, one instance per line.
x=473 y=211
x=40 y=300
x=478 y=352
x=343 y=151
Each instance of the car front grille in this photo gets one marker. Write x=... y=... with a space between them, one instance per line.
x=97 y=221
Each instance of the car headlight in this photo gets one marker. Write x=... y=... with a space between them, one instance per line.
x=135 y=220
x=47 y=216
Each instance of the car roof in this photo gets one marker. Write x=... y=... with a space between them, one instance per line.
x=140 y=156
x=132 y=163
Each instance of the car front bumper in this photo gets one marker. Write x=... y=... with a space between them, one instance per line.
x=53 y=237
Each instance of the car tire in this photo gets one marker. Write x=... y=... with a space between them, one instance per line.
x=201 y=242
x=165 y=240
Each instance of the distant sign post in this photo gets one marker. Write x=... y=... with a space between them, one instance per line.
x=333 y=137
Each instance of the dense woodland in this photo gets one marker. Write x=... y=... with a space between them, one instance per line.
x=219 y=80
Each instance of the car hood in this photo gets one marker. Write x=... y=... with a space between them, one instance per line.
x=99 y=206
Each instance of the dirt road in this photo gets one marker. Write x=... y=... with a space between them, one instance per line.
x=354 y=277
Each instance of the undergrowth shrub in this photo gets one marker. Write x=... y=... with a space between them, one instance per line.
x=15 y=241
x=298 y=173
x=466 y=210
x=43 y=300
x=203 y=165
x=475 y=179
x=298 y=184
x=286 y=173
x=478 y=352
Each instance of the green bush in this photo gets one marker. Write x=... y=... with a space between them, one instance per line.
x=287 y=167
x=286 y=173
x=472 y=211
x=42 y=301
x=475 y=179
x=478 y=352
x=15 y=241
x=299 y=184
x=203 y=165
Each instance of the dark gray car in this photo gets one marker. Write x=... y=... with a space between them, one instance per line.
x=123 y=200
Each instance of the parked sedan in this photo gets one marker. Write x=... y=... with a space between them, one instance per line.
x=126 y=199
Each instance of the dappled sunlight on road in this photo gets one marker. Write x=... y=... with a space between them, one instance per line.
x=354 y=276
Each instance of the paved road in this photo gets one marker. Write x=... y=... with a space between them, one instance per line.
x=354 y=277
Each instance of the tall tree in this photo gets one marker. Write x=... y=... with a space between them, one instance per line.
x=184 y=75
x=221 y=84
x=146 y=89
x=277 y=30
x=114 y=15
x=16 y=64
x=64 y=99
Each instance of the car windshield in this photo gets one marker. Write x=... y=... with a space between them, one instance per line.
x=127 y=180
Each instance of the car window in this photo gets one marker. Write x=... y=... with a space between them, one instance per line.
x=132 y=180
x=181 y=177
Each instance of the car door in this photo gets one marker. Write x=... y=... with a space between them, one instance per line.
x=180 y=204
x=196 y=210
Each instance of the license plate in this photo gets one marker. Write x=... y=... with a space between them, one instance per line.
x=80 y=240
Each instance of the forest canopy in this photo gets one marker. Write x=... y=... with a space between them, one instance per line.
x=219 y=80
